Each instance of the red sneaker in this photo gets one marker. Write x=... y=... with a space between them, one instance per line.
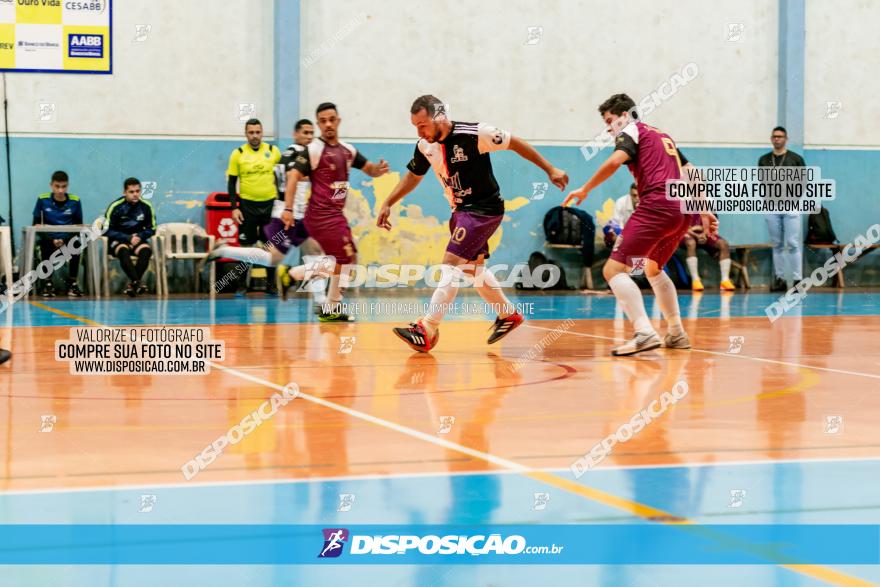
x=504 y=326
x=417 y=337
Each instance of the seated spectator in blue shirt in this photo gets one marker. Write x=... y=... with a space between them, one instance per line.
x=131 y=223
x=58 y=208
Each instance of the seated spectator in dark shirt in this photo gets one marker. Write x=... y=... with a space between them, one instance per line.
x=58 y=208
x=131 y=222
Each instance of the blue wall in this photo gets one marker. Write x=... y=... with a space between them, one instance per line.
x=187 y=170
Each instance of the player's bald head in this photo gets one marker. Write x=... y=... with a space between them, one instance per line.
x=430 y=116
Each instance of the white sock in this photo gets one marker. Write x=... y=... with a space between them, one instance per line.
x=334 y=294
x=308 y=269
x=692 y=267
x=444 y=295
x=725 y=269
x=318 y=289
x=317 y=286
x=627 y=293
x=667 y=298
x=254 y=255
x=490 y=290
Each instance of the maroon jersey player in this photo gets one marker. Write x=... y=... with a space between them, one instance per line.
x=655 y=229
x=327 y=163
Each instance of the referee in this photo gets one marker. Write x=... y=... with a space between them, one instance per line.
x=252 y=168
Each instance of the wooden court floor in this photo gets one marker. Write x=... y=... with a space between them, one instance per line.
x=539 y=399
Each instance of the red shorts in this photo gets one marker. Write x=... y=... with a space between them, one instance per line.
x=652 y=233
x=334 y=236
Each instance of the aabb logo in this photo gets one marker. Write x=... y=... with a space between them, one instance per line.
x=85 y=46
x=86 y=40
x=334 y=540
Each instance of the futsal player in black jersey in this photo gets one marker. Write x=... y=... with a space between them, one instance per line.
x=459 y=154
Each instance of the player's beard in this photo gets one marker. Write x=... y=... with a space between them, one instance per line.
x=435 y=136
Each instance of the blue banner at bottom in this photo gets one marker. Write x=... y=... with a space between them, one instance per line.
x=684 y=544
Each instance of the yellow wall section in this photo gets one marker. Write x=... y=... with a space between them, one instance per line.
x=604 y=214
x=414 y=238
x=39 y=13
x=7 y=54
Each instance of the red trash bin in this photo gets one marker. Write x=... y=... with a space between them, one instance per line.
x=219 y=222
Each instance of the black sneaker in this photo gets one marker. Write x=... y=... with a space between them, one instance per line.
x=131 y=289
x=73 y=290
x=504 y=326
x=417 y=337
x=4 y=356
x=778 y=285
x=49 y=291
x=141 y=289
x=328 y=313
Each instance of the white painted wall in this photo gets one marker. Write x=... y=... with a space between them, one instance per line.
x=199 y=61
x=373 y=59
x=842 y=46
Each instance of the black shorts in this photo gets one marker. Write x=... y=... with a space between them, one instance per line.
x=115 y=244
x=256 y=216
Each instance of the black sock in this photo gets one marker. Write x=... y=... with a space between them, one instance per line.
x=124 y=256
x=143 y=260
x=270 y=278
x=73 y=267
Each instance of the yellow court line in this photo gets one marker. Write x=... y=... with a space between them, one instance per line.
x=635 y=508
x=632 y=507
x=65 y=314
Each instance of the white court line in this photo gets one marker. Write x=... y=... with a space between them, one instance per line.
x=737 y=356
x=386 y=476
x=498 y=461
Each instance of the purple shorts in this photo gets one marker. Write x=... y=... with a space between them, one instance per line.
x=471 y=234
x=282 y=239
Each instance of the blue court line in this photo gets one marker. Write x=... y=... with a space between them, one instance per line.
x=808 y=492
x=404 y=308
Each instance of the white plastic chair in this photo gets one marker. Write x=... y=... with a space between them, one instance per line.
x=6 y=257
x=178 y=241
x=155 y=264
